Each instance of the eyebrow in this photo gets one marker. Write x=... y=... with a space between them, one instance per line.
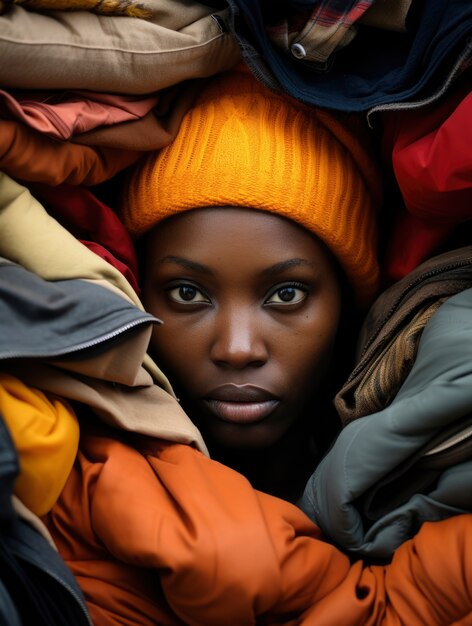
x=187 y=264
x=277 y=268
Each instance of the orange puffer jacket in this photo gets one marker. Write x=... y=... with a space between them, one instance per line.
x=158 y=534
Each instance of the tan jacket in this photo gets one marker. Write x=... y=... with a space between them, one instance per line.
x=124 y=386
x=116 y=54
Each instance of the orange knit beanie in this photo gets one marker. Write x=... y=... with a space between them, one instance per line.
x=243 y=145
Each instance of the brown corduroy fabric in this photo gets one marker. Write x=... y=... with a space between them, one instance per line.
x=392 y=329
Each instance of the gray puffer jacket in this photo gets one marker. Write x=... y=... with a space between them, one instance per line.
x=412 y=461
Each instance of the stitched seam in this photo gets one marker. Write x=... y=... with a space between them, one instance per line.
x=111 y=49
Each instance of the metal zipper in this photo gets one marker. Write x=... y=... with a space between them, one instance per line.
x=461 y=64
x=86 y=344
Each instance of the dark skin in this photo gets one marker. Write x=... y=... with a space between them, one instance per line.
x=251 y=304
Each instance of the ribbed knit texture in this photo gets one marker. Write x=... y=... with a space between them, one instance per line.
x=242 y=145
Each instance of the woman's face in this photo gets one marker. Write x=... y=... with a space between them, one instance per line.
x=250 y=303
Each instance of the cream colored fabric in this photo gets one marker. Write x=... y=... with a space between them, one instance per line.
x=146 y=409
x=119 y=385
x=119 y=364
x=82 y=50
x=32 y=238
x=123 y=359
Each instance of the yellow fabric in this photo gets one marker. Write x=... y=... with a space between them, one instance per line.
x=243 y=145
x=130 y=8
x=46 y=435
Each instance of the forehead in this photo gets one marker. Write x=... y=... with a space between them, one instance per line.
x=239 y=235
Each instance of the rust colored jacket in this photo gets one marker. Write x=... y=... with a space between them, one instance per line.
x=159 y=534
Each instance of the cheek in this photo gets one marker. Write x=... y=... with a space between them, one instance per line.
x=170 y=345
x=308 y=354
x=169 y=349
x=310 y=347
x=176 y=351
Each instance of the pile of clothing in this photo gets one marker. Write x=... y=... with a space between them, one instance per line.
x=87 y=87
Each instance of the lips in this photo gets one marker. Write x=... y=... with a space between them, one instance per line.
x=241 y=404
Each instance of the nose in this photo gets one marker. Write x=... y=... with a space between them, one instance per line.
x=238 y=341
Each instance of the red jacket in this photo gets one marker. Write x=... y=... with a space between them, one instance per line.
x=432 y=164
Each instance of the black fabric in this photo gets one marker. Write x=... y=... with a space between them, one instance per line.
x=9 y=469
x=377 y=68
x=8 y=613
x=36 y=586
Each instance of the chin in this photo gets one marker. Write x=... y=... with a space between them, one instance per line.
x=239 y=437
x=242 y=437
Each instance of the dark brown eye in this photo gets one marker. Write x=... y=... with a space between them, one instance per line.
x=287 y=295
x=187 y=294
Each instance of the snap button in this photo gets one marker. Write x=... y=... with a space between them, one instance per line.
x=298 y=51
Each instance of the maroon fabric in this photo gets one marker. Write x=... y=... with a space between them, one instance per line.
x=412 y=241
x=110 y=258
x=93 y=222
x=431 y=158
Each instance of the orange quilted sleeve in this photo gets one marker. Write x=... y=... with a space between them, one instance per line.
x=168 y=528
